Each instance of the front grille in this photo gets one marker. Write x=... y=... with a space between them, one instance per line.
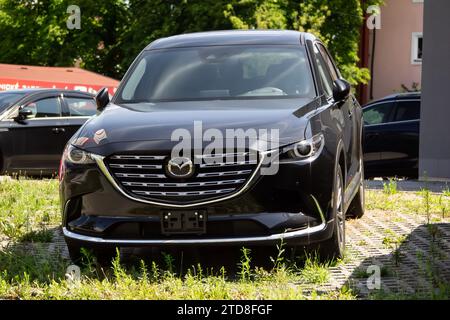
x=144 y=176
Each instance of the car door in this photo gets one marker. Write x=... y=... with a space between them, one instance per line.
x=77 y=110
x=347 y=110
x=38 y=141
x=400 y=137
x=376 y=121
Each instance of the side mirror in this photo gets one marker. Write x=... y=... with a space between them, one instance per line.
x=341 y=90
x=24 y=113
x=102 y=99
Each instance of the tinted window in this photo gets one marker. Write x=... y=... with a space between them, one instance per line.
x=81 y=107
x=329 y=62
x=45 y=108
x=378 y=114
x=324 y=74
x=8 y=99
x=221 y=72
x=407 y=110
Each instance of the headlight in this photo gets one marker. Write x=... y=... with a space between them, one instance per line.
x=78 y=156
x=304 y=149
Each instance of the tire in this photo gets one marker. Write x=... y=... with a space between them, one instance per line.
x=335 y=246
x=2 y=162
x=356 y=208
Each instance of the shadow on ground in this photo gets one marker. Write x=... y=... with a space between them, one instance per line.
x=417 y=267
x=209 y=258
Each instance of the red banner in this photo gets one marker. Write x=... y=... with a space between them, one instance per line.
x=12 y=84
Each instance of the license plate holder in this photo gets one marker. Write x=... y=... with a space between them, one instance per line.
x=183 y=222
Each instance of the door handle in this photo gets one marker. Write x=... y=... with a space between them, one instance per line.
x=58 y=130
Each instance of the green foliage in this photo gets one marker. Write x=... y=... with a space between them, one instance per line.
x=35 y=32
x=336 y=22
x=113 y=32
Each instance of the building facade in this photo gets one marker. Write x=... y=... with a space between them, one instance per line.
x=393 y=53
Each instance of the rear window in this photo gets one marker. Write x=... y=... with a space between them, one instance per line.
x=81 y=107
x=378 y=114
x=407 y=110
x=219 y=72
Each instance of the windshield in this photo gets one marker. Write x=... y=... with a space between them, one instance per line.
x=8 y=99
x=219 y=72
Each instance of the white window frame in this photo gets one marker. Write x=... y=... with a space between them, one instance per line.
x=415 y=48
x=417 y=1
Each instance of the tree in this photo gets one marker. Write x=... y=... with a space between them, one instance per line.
x=113 y=32
x=336 y=22
x=35 y=32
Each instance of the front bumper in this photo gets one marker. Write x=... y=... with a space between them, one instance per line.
x=273 y=209
x=300 y=237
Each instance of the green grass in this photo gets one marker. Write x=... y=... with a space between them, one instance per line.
x=27 y=207
x=29 y=213
x=42 y=276
x=423 y=203
x=314 y=271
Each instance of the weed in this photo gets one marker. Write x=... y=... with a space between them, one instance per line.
x=427 y=200
x=314 y=272
x=169 y=261
x=244 y=265
x=43 y=235
x=446 y=192
x=390 y=188
x=278 y=262
x=361 y=272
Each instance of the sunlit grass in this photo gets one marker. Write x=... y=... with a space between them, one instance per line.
x=29 y=209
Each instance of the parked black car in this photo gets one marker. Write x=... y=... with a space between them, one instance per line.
x=36 y=124
x=121 y=185
x=391 y=138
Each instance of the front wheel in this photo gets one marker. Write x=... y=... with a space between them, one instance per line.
x=335 y=246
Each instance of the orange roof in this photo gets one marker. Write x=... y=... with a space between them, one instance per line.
x=55 y=74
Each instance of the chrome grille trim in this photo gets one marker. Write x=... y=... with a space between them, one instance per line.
x=184 y=193
x=132 y=157
x=222 y=155
x=135 y=166
x=227 y=164
x=100 y=160
x=223 y=174
x=140 y=175
x=183 y=184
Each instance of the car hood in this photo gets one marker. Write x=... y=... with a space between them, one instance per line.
x=158 y=121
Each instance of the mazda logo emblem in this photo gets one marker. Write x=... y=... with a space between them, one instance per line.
x=180 y=167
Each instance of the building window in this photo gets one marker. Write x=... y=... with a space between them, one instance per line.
x=416 y=48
